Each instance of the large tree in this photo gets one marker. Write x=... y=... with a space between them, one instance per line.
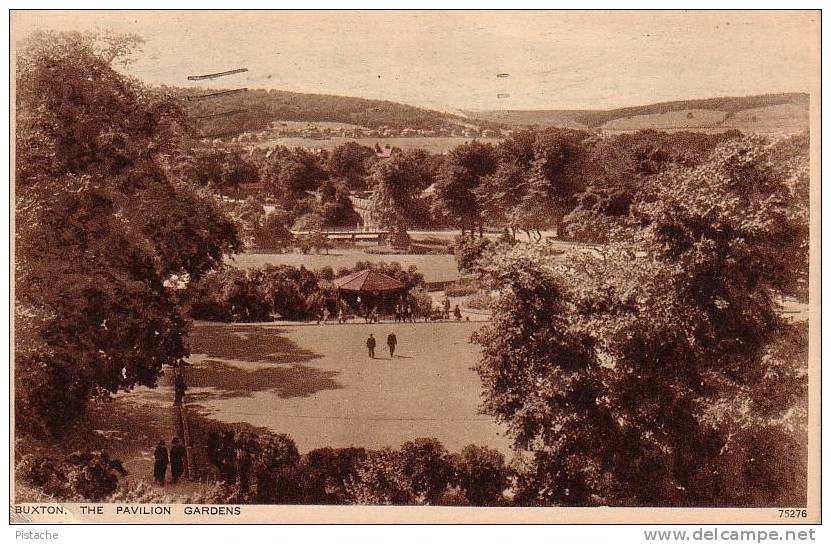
x=351 y=162
x=535 y=182
x=290 y=173
x=660 y=372
x=100 y=229
x=462 y=172
x=397 y=185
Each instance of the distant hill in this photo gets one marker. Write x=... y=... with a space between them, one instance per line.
x=253 y=110
x=762 y=113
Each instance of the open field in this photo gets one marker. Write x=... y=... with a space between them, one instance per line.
x=317 y=384
x=434 y=267
x=786 y=118
x=432 y=144
x=319 y=124
x=680 y=119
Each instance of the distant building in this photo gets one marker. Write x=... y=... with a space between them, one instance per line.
x=384 y=153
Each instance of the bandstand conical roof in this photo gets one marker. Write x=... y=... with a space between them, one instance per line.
x=367 y=281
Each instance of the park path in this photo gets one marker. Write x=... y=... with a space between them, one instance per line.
x=129 y=426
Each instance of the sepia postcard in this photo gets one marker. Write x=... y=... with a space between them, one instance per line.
x=415 y=267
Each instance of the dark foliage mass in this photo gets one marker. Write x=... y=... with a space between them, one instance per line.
x=643 y=373
x=80 y=476
x=258 y=467
x=235 y=295
x=102 y=224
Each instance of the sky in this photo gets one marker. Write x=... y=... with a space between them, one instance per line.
x=449 y=60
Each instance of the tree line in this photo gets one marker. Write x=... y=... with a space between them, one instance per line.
x=574 y=182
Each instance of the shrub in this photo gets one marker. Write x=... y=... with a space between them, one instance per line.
x=471 y=253
x=89 y=475
x=271 y=233
x=256 y=467
x=380 y=479
x=421 y=300
x=325 y=472
x=462 y=288
x=238 y=295
x=482 y=475
x=480 y=301
x=230 y=295
x=426 y=465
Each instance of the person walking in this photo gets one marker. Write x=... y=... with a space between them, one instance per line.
x=370 y=345
x=391 y=342
x=446 y=306
x=457 y=313
x=160 y=462
x=177 y=459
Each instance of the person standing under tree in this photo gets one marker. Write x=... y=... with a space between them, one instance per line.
x=391 y=342
x=370 y=345
x=177 y=459
x=160 y=463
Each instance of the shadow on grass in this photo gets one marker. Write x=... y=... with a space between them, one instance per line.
x=231 y=381
x=247 y=343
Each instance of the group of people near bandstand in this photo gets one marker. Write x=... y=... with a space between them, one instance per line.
x=404 y=311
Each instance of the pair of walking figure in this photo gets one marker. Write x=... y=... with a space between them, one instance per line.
x=392 y=341
x=175 y=458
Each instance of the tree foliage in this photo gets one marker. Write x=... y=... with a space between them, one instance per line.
x=398 y=182
x=461 y=173
x=100 y=228
x=632 y=376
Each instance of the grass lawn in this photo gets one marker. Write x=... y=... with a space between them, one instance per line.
x=317 y=384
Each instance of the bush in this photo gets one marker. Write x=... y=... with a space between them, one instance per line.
x=426 y=465
x=88 y=475
x=257 y=467
x=463 y=287
x=480 y=301
x=482 y=475
x=422 y=301
x=234 y=295
x=271 y=233
x=230 y=295
x=471 y=253
x=326 y=472
x=290 y=292
x=380 y=479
